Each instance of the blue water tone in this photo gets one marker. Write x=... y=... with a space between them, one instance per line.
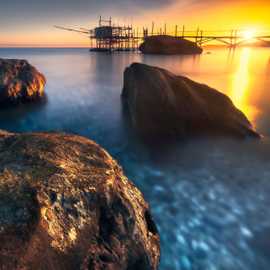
x=209 y=197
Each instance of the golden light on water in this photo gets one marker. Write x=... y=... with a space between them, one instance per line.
x=241 y=85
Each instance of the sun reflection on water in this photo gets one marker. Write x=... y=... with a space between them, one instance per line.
x=241 y=82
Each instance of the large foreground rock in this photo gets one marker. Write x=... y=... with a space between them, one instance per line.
x=163 y=105
x=169 y=45
x=19 y=81
x=65 y=204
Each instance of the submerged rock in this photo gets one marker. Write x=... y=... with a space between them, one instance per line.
x=65 y=204
x=163 y=44
x=20 y=81
x=163 y=105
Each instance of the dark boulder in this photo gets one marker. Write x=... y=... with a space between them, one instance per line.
x=19 y=81
x=65 y=204
x=163 y=105
x=169 y=45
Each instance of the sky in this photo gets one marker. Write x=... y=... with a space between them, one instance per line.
x=30 y=22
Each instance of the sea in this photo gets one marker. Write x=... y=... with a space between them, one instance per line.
x=210 y=197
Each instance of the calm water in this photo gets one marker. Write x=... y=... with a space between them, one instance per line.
x=210 y=198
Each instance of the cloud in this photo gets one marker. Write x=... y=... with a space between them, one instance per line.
x=41 y=6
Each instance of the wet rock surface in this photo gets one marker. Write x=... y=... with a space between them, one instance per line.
x=163 y=105
x=163 y=44
x=65 y=204
x=20 y=82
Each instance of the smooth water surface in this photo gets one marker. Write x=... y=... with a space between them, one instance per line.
x=209 y=198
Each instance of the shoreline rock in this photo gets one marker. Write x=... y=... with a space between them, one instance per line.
x=163 y=44
x=162 y=105
x=20 y=82
x=65 y=204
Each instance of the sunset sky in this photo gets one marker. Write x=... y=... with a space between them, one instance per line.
x=30 y=22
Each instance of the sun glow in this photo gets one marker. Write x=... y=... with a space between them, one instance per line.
x=249 y=34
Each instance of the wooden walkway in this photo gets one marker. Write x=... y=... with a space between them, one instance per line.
x=232 y=38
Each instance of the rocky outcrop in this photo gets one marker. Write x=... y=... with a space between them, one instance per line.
x=163 y=105
x=19 y=81
x=65 y=204
x=169 y=45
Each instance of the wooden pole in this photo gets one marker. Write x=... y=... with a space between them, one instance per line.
x=231 y=39
x=152 y=30
x=183 y=31
x=176 y=30
x=235 y=38
x=197 y=34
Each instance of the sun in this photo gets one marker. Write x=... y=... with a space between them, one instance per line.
x=249 y=34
